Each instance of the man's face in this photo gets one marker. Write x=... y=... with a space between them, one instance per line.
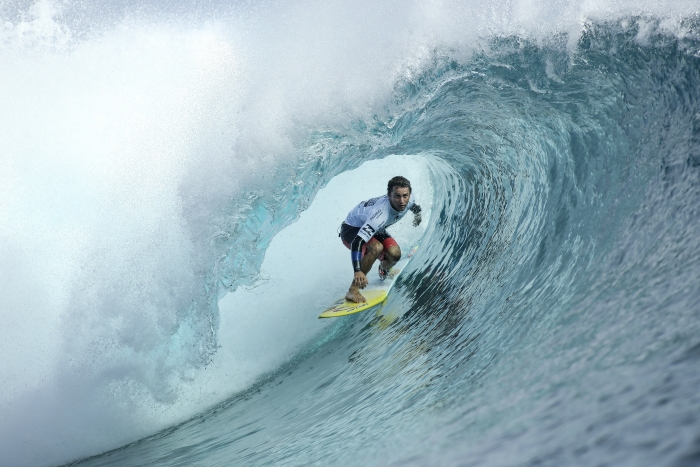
x=399 y=198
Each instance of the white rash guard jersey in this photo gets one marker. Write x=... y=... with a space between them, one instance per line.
x=375 y=214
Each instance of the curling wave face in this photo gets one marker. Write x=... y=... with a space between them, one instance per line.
x=550 y=316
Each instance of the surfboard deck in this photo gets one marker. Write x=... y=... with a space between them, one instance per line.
x=376 y=291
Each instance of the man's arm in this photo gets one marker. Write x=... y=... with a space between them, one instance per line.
x=356 y=252
x=363 y=236
x=415 y=209
x=360 y=279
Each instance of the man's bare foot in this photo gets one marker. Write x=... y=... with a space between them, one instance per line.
x=355 y=296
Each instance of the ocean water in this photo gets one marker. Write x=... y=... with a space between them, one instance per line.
x=172 y=176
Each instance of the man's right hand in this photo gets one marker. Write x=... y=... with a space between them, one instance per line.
x=360 y=280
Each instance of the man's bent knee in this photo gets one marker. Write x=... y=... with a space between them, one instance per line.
x=393 y=252
x=374 y=248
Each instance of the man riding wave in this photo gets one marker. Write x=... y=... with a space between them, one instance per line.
x=364 y=233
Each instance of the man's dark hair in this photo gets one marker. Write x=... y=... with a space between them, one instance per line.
x=398 y=181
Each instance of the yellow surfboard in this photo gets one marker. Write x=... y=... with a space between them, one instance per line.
x=376 y=291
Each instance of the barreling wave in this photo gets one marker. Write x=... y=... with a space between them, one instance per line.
x=550 y=316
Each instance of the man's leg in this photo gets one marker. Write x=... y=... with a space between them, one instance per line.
x=373 y=250
x=392 y=254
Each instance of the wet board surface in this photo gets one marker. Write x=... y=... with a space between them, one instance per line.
x=376 y=291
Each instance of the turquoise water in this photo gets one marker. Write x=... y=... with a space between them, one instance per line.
x=553 y=317
x=550 y=316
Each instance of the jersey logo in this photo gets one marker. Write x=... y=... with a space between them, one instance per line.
x=372 y=201
x=368 y=229
x=376 y=214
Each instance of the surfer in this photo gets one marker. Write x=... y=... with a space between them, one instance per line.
x=364 y=233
